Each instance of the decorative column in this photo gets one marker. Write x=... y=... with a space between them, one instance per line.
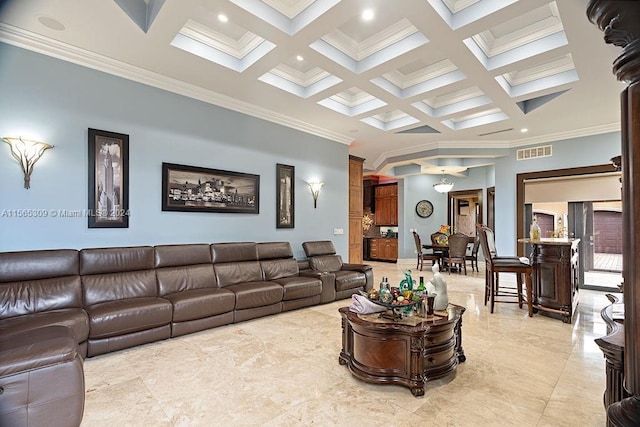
x=620 y=21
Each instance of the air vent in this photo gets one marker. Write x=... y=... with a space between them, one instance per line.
x=534 y=153
x=498 y=131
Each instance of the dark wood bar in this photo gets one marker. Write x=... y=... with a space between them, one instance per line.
x=555 y=276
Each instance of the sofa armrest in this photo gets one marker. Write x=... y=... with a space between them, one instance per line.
x=357 y=267
x=328 y=284
x=362 y=268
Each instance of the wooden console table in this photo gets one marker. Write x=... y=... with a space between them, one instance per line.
x=409 y=352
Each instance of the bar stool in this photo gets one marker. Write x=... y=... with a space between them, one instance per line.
x=496 y=265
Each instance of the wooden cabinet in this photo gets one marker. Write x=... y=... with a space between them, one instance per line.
x=555 y=276
x=355 y=209
x=383 y=249
x=386 y=200
x=368 y=193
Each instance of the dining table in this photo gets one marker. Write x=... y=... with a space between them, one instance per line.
x=443 y=252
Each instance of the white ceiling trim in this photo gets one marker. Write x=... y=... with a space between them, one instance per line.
x=453 y=97
x=298 y=77
x=541 y=71
x=429 y=72
x=289 y=9
x=558 y=136
x=360 y=50
x=494 y=46
x=46 y=46
x=455 y=6
x=237 y=48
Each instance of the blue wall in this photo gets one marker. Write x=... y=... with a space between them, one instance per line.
x=420 y=187
x=576 y=152
x=56 y=102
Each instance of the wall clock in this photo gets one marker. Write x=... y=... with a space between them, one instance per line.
x=424 y=208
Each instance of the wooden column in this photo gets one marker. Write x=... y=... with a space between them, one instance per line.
x=620 y=21
x=355 y=209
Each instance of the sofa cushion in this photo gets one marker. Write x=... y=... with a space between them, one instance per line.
x=326 y=263
x=35 y=349
x=274 y=250
x=179 y=255
x=178 y=279
x=349 y=280
x=256 y=294
x=278 y=268
x=114 y=318
x=201 y=303
x=116 y=260
x=34 y=265
x=101 y=288
x=75 y=319
x=231 y=273
x=300 y=287
x=322 y=247
x=31 y=296
x=233 y=252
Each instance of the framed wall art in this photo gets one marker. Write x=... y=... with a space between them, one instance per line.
x=198 y=189
x=285 y=194
x=108 y=179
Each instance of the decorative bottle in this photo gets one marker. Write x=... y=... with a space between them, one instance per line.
x=534 y=231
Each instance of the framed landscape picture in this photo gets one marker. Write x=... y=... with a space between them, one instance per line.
x=108 y=179
x=197 y=189
x=285 y=179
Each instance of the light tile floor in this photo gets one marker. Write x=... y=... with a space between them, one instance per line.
x=283 y=370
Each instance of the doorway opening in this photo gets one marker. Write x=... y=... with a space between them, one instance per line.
x=464 y=211
x=582 y=203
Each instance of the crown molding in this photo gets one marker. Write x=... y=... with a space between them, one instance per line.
x=558 y=136
x=37 y=43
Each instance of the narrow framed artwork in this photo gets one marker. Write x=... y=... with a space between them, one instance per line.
x=285 y=186
x=197 y=189
x=108 y=179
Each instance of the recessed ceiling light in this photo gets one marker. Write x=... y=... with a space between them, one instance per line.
x=524 y=130
x=222 y=17
x=299 y=58
x=368 y=14
x=51 y=23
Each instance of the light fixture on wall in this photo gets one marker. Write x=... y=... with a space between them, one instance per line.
x=443 y=186
x=27 y=153
x=315 y=191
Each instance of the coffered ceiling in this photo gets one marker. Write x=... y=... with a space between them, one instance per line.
x=413 y=86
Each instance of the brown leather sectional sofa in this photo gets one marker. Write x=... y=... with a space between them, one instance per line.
x=58 y=306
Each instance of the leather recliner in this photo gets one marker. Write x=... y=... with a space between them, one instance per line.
x=41 y=378
x=121 y=298
x=349 y=278
x=278 y=265
x=186 y=278
x=42 y=288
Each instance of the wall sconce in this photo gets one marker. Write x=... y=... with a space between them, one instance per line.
x=27 y=153
x=315 y=191
x=443 y=186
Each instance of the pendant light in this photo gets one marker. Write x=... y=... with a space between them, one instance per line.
x=443 y=186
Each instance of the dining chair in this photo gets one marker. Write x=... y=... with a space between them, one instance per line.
x=441 y=241
x=496 y=265
x=422 y=256
x=457 y=251
x=473 y=256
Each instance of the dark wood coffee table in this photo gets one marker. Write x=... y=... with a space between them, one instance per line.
x=409 y=352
